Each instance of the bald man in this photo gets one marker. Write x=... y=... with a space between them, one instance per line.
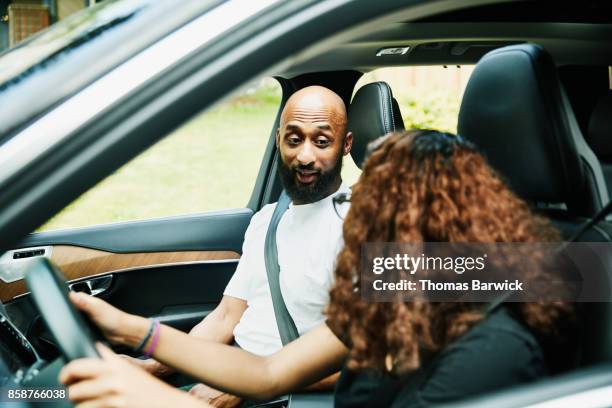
x=312 y=140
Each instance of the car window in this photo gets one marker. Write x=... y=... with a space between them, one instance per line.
x=210 y=163
x=429 y=97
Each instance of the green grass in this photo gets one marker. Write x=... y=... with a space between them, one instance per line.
x=209 y=164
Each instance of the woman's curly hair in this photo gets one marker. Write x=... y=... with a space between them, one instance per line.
x=426 y=186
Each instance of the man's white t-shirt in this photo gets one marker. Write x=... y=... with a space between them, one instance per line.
x=308 y=240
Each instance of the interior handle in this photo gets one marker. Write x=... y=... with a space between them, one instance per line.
x=93 y=286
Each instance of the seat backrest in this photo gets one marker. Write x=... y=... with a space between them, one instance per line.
x=515 y=110
x=373 y=113
x=599 y=135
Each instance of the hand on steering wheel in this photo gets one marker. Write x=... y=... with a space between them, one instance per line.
x=57 y=307
x=50 y=295
x=97 y=376
x=112 y=381
x=116 y=325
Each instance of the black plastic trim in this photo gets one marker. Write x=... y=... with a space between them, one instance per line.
x=546 y=390
x=222 y=230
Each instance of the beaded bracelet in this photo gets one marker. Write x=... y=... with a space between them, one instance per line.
x=144 y=341
x=153 y=345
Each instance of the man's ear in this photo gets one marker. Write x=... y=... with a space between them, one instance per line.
x=348 y=143
x=277 y=137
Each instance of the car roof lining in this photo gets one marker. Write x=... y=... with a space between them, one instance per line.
x=460 y=43
x=566 y=11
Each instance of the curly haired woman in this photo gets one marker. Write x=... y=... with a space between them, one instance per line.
x=417 y=186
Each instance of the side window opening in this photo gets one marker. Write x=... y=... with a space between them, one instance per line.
x=428 y=96
x=210 y=163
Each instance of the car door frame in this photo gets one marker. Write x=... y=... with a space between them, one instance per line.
x=43 y=184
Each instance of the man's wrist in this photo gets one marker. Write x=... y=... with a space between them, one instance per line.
x=177 y=398
x=185 y=400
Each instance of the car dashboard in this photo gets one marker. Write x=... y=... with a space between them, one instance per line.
x=17 y=354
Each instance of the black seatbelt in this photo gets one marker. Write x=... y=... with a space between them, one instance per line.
x=286 y=326
x=598 y=217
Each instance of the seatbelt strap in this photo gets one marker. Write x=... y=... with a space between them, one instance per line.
x=491 y=306
x=597 y=218
x=600 y=216
x=286 y=326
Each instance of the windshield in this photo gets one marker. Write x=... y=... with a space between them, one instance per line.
x=63 y=36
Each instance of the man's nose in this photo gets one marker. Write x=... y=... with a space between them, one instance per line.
x=306 y=154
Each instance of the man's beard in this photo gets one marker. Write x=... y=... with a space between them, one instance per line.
x=308 y=193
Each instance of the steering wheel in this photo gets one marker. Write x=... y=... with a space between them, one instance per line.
x=50 y=294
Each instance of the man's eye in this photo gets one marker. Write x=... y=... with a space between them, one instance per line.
x=293 y=140
x=322 y=142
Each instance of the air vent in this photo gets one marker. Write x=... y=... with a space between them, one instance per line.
x=28 y=254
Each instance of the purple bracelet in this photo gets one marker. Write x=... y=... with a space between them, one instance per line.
x=155 y=340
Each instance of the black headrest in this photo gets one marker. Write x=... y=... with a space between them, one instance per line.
x=372 y=113
x=600 y=129
x=515 y=109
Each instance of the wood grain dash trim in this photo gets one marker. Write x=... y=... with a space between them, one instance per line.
x=78 y=262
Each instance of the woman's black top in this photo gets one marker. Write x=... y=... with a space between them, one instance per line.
x=497 y=352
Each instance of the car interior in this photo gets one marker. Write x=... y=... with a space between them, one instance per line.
x=543 y=66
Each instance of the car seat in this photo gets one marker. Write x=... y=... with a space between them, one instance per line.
x=515 y=110
x=599 y=135
x=373 y=112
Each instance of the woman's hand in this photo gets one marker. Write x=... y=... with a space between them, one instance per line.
x=117 y=326
x=114 y=382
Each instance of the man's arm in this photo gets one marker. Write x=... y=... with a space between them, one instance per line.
x=218 y=326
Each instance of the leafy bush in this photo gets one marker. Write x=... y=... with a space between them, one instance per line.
x=430 y=109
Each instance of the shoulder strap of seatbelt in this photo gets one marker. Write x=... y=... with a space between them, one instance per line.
x=600 y=216
x=286 y=326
